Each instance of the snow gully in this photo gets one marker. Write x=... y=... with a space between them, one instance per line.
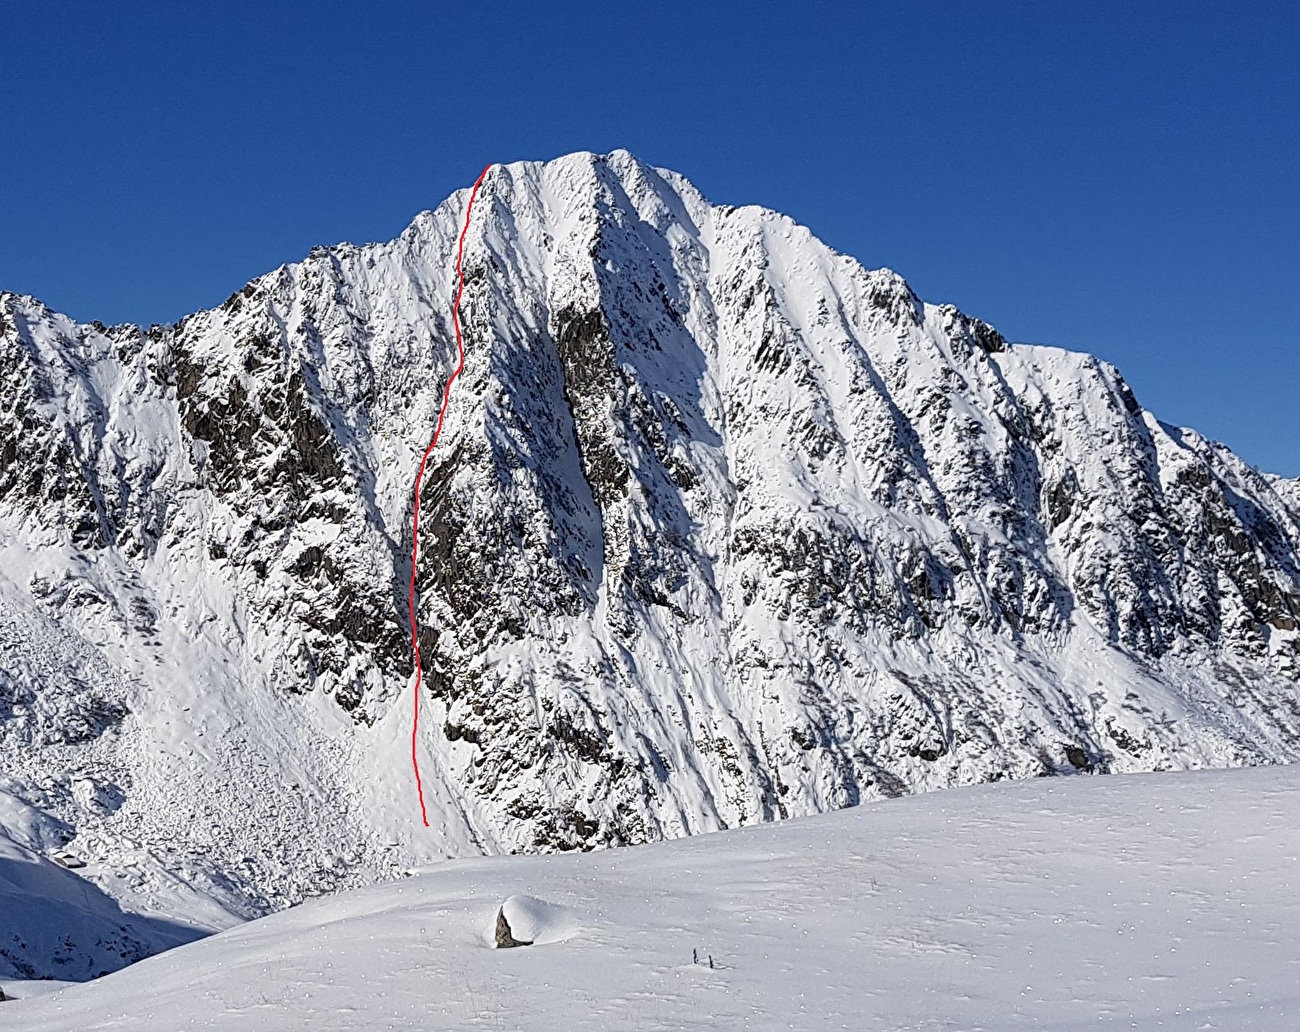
x=419 y=477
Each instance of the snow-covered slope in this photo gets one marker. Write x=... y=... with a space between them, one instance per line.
x=1075 y=903
x=724 y=527
x=55 y=925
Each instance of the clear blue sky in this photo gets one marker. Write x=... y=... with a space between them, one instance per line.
x=1120 y=178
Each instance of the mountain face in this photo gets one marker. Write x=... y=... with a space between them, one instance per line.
x=722 y=528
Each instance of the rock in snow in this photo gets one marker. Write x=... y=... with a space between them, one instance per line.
x=723 y=528
x=530 y=921
x=504 y=938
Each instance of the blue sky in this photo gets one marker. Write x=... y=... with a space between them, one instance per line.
x=1117 y=178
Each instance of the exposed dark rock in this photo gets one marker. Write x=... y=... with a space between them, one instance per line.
x=505 y=940
x=1079 y=758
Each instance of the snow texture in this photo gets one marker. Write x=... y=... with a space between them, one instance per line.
x=723 y=528
x=57 y=926
x=1146 y=901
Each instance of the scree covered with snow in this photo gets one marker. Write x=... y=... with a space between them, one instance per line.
x=1137 y=902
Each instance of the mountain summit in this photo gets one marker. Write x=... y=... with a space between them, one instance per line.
x=723 y=527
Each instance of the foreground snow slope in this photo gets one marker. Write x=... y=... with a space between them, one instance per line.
x=1147 y=901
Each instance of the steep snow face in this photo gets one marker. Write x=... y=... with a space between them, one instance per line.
x=723 y=527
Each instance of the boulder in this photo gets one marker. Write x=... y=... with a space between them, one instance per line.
x=504 y=939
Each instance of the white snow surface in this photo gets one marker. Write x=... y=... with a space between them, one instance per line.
x=1145 y=901
x=724 y=528
x=55 y=920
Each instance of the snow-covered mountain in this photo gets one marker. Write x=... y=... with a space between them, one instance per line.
x=723 y=527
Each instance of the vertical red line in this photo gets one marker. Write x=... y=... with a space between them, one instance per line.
x=415 y=531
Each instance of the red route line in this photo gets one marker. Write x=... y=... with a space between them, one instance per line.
x=415 y=534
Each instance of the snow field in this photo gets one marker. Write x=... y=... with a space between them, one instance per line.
x=1146 y=901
